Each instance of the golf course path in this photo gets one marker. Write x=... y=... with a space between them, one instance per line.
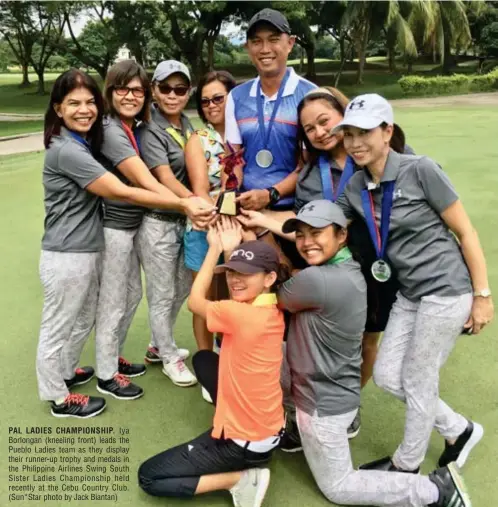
x=35 y=142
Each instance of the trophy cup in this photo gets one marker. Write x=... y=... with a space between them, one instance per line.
x=226 y=203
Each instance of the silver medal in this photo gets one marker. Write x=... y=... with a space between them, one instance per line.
x=381 y=270
x=264 y=158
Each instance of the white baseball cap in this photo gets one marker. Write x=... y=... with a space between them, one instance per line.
x=168 y=67
x=367 y=112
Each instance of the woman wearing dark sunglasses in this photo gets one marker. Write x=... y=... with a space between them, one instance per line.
x=203 y=154
x=127 y=95
x=160 y=238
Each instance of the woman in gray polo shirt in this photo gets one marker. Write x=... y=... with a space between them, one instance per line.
x=328 y=304
x=420 y=229
x=160 y=238
x=127 y=96
x=74 y=183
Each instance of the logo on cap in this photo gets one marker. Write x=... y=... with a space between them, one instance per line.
x=242 y=253
x=357 y=104
x=309 y=207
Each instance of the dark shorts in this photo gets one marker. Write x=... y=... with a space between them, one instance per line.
x=380 y=296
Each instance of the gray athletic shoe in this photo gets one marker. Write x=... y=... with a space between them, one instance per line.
x=250 y=491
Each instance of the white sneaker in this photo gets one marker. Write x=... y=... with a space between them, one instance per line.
x=250 y=491
x=206 y=395
x=179 y=374
x=183 y=354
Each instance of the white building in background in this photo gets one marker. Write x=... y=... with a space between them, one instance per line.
x=123 y=54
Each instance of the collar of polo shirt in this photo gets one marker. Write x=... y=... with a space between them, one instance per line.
x=265 y=300
x=163 y=122
x=391 y=171
x=289 y=89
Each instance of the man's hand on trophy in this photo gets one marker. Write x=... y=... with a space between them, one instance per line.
x=254 y=199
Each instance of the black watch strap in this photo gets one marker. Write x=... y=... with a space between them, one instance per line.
x=274 y=195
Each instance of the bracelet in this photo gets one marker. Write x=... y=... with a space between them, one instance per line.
x=262 y=233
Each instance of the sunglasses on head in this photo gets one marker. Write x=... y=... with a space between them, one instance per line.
x=180 y=90
x=217 y=99
x=137 y=92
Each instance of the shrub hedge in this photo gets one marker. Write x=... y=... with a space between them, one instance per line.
x=458 y=83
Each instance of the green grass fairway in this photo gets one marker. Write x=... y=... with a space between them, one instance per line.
x=10 y=128
x=462 y=140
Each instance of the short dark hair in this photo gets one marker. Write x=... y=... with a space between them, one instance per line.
x=120 y=74
x=223 y=77
x=65 y=84
x=336 y=99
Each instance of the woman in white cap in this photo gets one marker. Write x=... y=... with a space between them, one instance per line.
x=160 y=239
x=415 y=219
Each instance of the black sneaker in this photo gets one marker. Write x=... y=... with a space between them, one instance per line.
x=291 y=440
x=386 y=465
x=355 y=426
x=78 y=405
x=130 y=369
x=120 y=387
x=452 y=490
x=460 y=450
x=81 y=376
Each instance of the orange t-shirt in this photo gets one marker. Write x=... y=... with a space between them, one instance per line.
x=249 y=404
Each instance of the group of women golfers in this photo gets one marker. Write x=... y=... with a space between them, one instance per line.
x=374 y=239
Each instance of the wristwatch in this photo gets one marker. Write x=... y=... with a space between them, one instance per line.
x=274 y=195
x=483 y=293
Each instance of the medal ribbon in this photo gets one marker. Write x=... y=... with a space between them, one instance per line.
x=328 y=182
x=259 y=102
x=131 y=136
x=379 y=238
x=181 y=141
x=80 y=139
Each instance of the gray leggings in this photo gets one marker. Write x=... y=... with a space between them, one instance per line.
x=120 y=295
x=70 y=289
x=326 y=447
x=167 y=279
x=417 y=342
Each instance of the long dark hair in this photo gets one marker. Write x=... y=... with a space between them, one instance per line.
x=223 y=77
x=120 y=74
x=337 y=101
x=64 y=84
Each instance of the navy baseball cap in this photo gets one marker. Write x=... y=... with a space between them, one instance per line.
x=251 y=257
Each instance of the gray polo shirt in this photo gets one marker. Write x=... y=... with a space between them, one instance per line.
x=73 y=216
x=116 y=148
x=159 y=148
x=422 y=249
x=309 y=183
x=329 y=306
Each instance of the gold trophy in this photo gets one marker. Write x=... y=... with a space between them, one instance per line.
x=226 y=203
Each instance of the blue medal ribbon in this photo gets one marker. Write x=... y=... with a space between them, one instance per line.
x=80 y=139
x=265 y=135
x=328 y=182
x=379 y=239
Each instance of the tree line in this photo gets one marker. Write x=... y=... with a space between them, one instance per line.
x=41 y=35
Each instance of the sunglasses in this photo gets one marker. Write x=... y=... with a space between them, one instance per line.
x=124 y=90
x=217 y=99
x=179 y=91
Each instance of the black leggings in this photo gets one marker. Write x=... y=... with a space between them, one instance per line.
x=176 y=472
x=206 y=365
